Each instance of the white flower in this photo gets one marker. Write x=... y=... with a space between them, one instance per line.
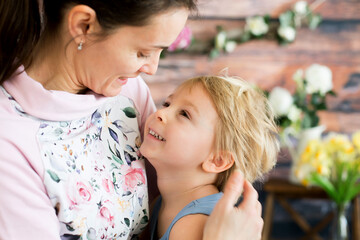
x=294 y=113
x=319 y=79
x=300 y=7
x=287 y=33
x=257 y=25
x=298 y=77
x=220 y=40
x=230 y=46
x=280 y=100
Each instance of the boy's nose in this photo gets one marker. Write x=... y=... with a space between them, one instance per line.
x=161 y=115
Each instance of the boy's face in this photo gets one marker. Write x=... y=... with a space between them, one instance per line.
x=181 y=134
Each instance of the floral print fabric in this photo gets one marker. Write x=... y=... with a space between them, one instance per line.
x=94 y=175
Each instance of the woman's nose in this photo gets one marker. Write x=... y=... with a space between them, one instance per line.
x=151 y=66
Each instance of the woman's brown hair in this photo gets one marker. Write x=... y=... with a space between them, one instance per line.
x=22 y=26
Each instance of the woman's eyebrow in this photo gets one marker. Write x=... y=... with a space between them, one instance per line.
x=161 y=47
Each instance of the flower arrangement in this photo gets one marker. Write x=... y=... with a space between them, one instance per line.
x=300 y=110
x=332 y=164
x=256 y=27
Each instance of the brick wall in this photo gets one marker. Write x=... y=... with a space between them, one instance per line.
x=335 y=43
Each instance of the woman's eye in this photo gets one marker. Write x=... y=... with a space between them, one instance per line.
x=142 y=55
x=184 y=113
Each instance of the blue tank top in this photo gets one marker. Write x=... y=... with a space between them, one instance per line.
x=203 y=205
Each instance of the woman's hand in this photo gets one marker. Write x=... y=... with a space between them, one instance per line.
x=228 y=222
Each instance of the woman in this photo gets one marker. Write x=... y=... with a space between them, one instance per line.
x=69 y=165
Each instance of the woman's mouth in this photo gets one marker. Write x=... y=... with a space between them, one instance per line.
x=122 y=81
x=156 y=135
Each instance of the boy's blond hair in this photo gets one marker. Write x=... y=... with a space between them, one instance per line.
x=246 y=128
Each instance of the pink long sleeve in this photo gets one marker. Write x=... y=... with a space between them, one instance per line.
x=26 y=211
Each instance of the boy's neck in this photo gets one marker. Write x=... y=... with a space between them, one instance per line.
x=178 y=188
x=183 y=187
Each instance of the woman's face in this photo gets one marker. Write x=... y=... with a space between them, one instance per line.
x=105 y=66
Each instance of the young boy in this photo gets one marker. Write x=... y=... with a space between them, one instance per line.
x=207 y=128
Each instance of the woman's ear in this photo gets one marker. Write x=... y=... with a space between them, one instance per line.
x=217 y=163
x=81 y=21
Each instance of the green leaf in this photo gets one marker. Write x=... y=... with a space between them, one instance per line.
x=118 y=160
x=114 y=178
x=127 y=222
x=267 y=18
x=129 y=112
x=163 y=54
x=314 y=21
x=53 y=176
x=283 y=121
x=214 y=53
x=69 y=227
x=354 y=191
x=110 y=147
x=309 y=120
x=325 y=184
x=287 y=19
x=245 y=36
x=332 y=93
x=144 y=220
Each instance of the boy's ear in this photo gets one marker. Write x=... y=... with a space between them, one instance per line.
x=217 y=163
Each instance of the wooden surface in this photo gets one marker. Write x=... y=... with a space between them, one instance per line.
x=240 y=9
x=335 y=43
x=281 y=190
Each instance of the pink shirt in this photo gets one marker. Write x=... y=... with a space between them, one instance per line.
x=74 y=153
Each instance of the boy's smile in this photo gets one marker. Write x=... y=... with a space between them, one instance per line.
x=155 y=135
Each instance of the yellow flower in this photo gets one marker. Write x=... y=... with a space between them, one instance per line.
x=305 y=182
x=356 y=140
x=335 y=158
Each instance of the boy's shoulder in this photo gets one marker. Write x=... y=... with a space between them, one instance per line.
x=190 y=222
x=189 y=227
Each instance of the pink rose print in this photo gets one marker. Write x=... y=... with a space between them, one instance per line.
x=79 y=192
x=132 y=176
x=105 y=212
x=182 y=41
x=108 y=185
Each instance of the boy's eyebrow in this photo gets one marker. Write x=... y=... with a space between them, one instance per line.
x=192 y=106
x=188 y=103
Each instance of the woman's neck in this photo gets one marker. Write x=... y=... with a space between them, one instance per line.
x=52 y=68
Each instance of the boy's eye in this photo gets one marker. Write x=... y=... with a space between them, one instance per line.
x=166 y=104
x=184 y=113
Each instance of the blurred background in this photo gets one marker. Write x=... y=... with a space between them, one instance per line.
x=225 y=35
x=335 y=43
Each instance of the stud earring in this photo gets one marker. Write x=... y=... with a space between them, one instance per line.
x=80 y=45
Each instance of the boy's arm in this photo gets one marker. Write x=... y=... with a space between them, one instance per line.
x=190 y=227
